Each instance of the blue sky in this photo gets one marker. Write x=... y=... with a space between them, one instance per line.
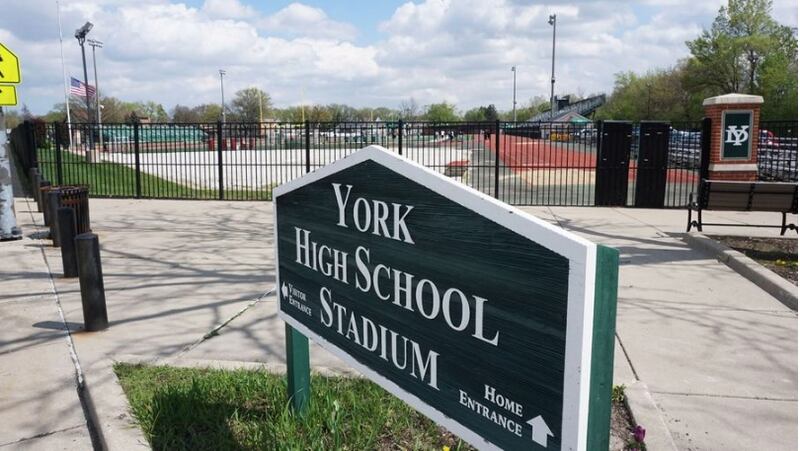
x=362 y=53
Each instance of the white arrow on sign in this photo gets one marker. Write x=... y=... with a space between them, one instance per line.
x=539 y=430
x=284 y=290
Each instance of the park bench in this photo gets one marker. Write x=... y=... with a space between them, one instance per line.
x=726 y=195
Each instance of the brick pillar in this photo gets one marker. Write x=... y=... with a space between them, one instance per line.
x=734 y=136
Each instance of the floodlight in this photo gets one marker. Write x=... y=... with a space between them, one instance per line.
x=81 y=32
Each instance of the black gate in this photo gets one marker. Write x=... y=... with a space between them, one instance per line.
x=651 y=168
x=613 y=150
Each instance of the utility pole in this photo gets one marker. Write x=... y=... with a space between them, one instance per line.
x=514 y=105
x=95 y=44
x=260 y=110
x=222 y=92
x=80 y=35
x=552 y=21
x=64 y=73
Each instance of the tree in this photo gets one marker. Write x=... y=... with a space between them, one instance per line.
x=341 y=113
x=409 y=110
x=746 y=51
x=482 y=113
x=385 y=114
x=657 y=95
x=441 y=112
x=250 y=105
x=208 y=112
x=12 y=118
x=183 y=114
x=319 y=113
x=152 y=110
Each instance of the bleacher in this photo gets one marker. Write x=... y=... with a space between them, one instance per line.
x=582 y=107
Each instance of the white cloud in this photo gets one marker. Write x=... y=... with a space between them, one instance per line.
x=433 y=50
x=228 y=9
x=298 y=19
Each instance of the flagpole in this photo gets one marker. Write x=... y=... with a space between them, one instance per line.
x=64 y=73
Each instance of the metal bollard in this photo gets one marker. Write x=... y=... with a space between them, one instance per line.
x=90 y=274
x=66 y=230
x=40 y=197
x=51 y=204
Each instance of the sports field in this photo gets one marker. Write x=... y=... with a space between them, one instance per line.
x=257 y=168
x=528 y=172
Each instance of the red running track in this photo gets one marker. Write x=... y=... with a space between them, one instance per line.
x=522 y=154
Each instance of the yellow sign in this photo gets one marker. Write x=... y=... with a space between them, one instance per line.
x=8 y=95
x=9 y=66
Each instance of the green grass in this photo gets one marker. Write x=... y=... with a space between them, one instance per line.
x=197 y=409
x=108 y=179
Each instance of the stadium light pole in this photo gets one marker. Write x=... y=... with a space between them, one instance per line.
x=95 y=44
x=80 y=35
x=514 y=96
x=552 y=21
x=222 y=92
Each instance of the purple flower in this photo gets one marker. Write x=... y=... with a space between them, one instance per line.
x=638 y=434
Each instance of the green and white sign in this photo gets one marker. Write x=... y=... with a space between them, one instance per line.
x=737 y=127
x=495 y=324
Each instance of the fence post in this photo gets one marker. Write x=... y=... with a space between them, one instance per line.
x=59 y=174
x=705 y=148
x=221 y=186
x=497 y=159
x=32 y=158
x=308 y=146
x=400 y=137
x=298 y=370
x=137 y=162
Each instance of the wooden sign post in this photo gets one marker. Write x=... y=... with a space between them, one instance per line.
x=493 y=323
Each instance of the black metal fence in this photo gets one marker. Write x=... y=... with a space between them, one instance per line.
x=542 y=163
x=777 y=151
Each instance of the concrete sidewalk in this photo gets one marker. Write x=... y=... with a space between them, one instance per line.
x=718 y=354
x=39 y=403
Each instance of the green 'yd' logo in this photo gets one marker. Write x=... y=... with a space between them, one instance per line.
x=736 y=126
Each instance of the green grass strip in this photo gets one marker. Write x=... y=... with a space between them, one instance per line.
x=199 y=409
x=107 y=179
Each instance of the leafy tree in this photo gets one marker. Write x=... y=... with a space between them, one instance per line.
x=385 y=114
x=662 y=94
x=746 y=51
x=249 y=104
x=152 y=110
x=208 y=112
x=183 y=114
x=319 y=113
x=441 y=112
x=290 y=114
x=482 y=113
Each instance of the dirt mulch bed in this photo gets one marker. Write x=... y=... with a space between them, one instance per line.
x=621 y=427
x=776 y=254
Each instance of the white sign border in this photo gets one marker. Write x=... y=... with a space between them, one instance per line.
x=580 y=252
x=722 y=157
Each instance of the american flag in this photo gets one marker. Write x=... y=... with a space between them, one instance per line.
x=77 y=88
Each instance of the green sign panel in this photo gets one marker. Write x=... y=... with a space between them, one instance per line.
x=737 y=127
x=495 y=324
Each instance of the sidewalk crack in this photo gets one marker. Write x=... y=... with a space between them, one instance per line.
x=715 y=395
x=627 y=357
x=43 y=434
x=215 y=330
